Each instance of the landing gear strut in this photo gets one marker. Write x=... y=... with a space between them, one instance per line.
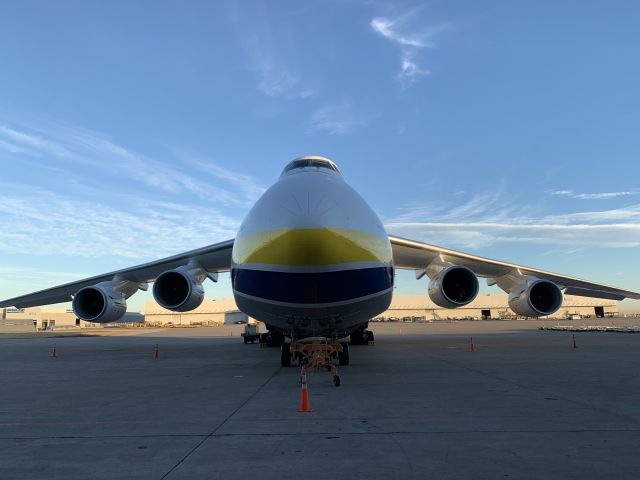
x=285 y=354
x=343 y=356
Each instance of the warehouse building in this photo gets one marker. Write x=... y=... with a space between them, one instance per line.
x=211 y=312
x=225 y=311
x=403 y=307
x=50 y=318
x=491 y=306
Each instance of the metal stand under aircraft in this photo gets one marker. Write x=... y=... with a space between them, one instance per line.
x=314 y=356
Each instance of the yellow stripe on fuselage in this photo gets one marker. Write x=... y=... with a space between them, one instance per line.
x=311 y=246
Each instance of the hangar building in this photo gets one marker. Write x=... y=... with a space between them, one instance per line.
x=403 y=307
x=225 y=311
x=47 y=318
x=211 y=312
x=492 y=306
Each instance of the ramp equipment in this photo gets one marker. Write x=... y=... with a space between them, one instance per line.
x=251 y=334
x=314 y=356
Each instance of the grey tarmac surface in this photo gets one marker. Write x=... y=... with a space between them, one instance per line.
x=418 y=404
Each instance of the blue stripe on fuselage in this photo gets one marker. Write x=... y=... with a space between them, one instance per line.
x=312 y=287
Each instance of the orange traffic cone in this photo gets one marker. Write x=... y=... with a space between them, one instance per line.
x=304 y=395
x=156 y=354
x=472 y=348
x=54 y=353
x=574 y=342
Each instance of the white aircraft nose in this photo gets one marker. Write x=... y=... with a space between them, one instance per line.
x=311 y=209
x=310 y=201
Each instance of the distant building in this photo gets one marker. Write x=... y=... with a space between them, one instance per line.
x=491 y=306
x=225 y=311
x=42 y=318
x=407 y=307
x=49 y=318
x=211 y=312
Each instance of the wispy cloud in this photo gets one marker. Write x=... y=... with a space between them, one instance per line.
x=592 y=196
x=32 y=274
x=409 y=69
x=13 y=148
x=486 y=220
x=77 y=193
x=15 y=280
x=266 y=54
x=250 y=188
x=387 y=28
x=275 y=80
x=34 y=144
x=478 y=235
x=49 y=223
x=339 y=119
x=95 y=155
x=564 y=252
x=410 y=41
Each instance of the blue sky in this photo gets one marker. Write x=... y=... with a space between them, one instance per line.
x=135 y=130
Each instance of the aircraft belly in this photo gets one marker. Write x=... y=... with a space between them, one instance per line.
x=309 y=320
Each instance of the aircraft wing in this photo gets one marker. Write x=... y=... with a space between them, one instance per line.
x=213 y=258
x=409 y=254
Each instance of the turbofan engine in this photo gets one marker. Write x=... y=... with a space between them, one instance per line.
x=99 y=303
x=454 y=286
x=180 y=290
x=535 y=298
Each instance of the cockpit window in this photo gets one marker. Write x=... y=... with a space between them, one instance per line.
x=310 y=162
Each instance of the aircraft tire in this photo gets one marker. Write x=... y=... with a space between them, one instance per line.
x=285 y=354
x=357 y=338
x=343 y=357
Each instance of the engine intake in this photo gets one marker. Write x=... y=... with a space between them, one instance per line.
x=453 y=287
x=178 y=290
x=99 y=304
x=535 y=298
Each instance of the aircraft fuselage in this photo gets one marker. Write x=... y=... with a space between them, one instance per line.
x=312 y=258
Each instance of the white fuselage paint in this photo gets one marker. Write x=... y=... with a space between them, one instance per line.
x=311 y=258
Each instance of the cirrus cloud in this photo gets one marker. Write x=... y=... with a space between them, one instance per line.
x=409 y=41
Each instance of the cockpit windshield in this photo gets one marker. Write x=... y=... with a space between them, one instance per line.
x=316 y=162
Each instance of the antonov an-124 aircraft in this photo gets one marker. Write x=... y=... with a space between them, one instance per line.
x=313 y=261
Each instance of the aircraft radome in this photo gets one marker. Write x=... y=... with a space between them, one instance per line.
x=314 y=263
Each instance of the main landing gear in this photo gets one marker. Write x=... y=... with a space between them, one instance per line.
x=271 y=339
x=285 y=354
x=362 y=337
x=314 y=356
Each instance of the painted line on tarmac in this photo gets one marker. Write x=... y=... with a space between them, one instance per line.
x=213 y=432
x=340 y=433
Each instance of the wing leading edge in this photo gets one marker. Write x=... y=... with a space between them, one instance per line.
x=213 y=258
x=409 y=254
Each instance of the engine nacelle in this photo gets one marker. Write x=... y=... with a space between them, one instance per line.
x=454 y=286
x=99 y=304
x=178 y=290
x=535 y=298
